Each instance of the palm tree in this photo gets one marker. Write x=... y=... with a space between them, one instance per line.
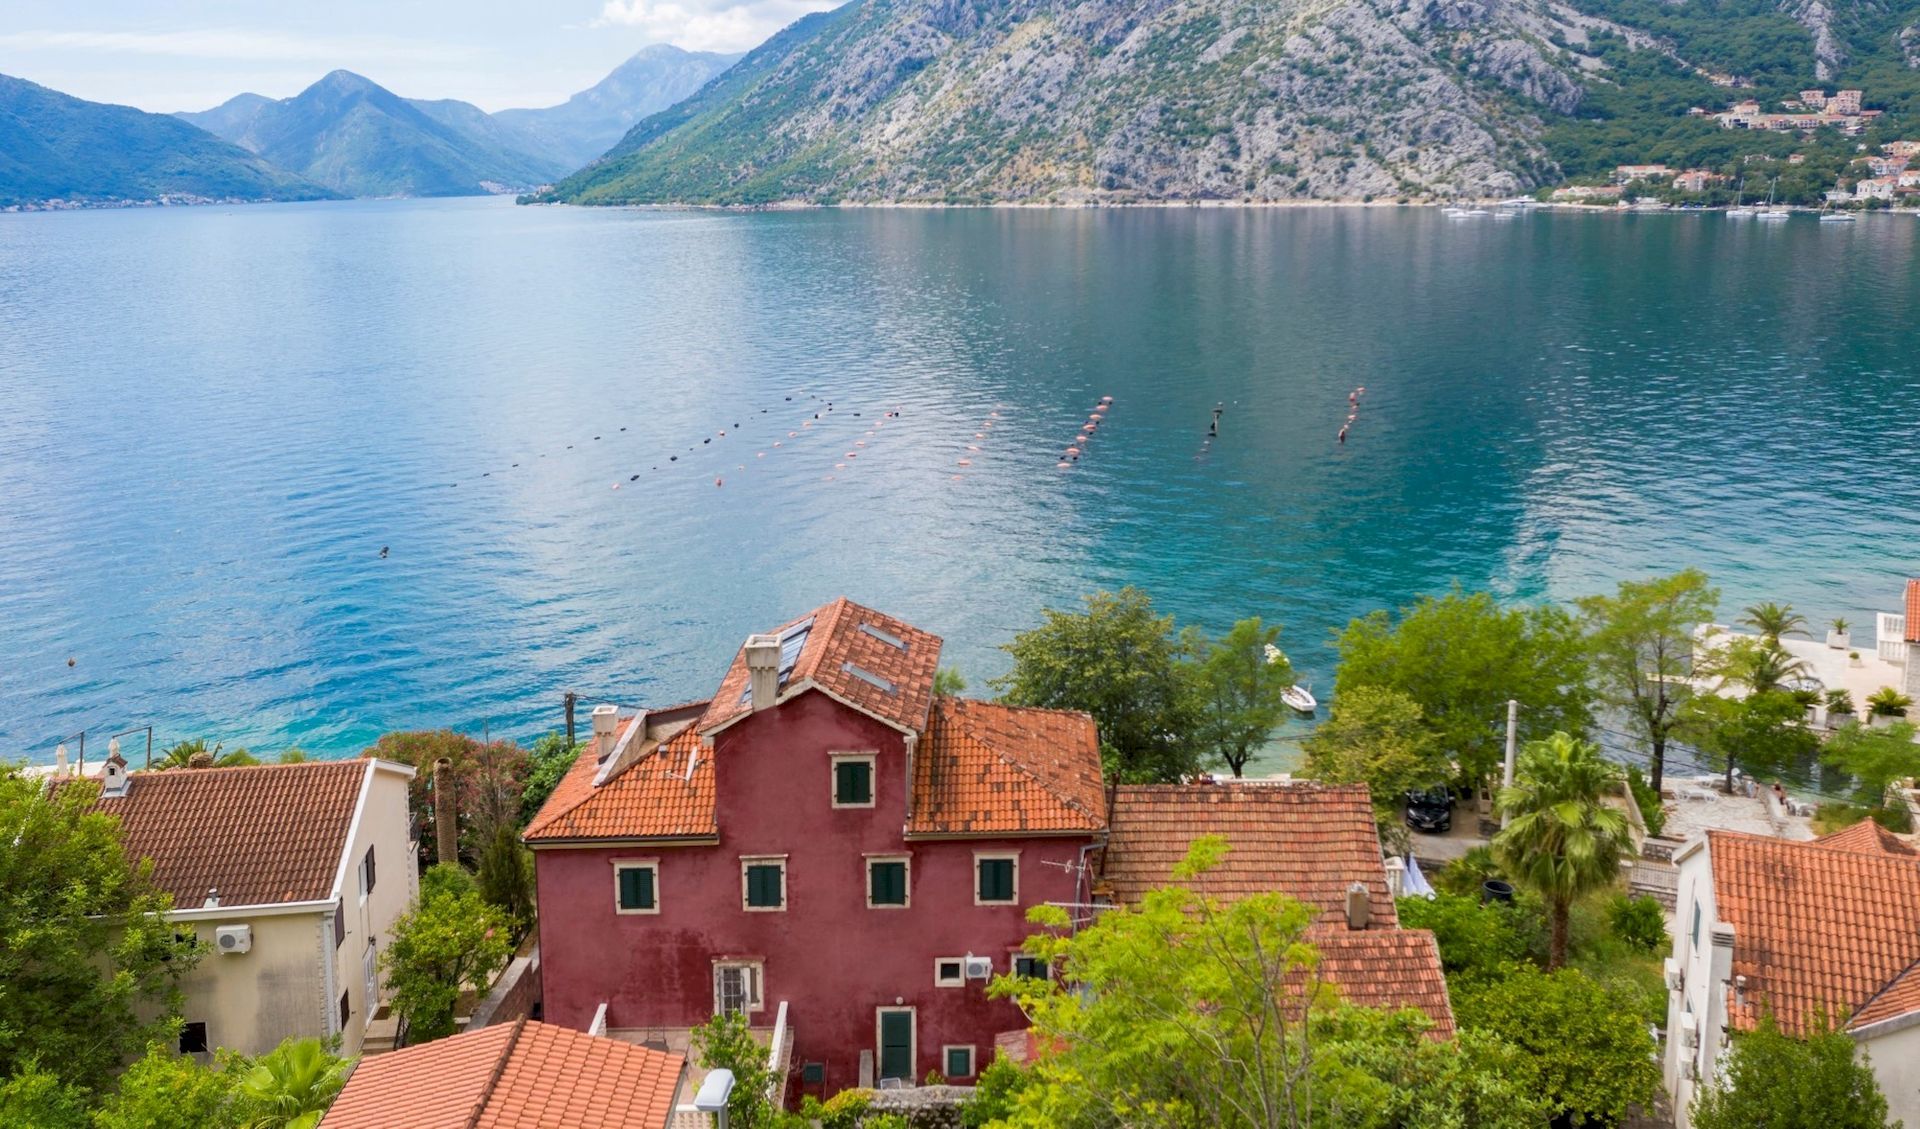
x=1765 y=668
x=1561 y=840
x=198 y=754
x=292 y=1085
x=1773 y=620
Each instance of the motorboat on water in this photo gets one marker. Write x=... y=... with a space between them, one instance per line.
x=1299 y=699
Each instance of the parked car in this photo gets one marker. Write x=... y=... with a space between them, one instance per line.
x=1430 y=810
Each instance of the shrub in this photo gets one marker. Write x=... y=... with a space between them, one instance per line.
x=1648 y=800
x=1640 y=922
x=1465 y=874
x=846 y=1109
x=994 y=1094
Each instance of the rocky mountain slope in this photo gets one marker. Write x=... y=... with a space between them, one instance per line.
x=359 y=139
x=54 y=146
x=589 y=123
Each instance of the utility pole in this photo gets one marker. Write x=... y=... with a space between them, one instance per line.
x=570 y=699
x=1513 y=737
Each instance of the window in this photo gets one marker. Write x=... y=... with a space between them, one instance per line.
x=887 y=882
x=949 y=972
x=1696 y=924
x=370 y=968
x=813 y=1074
x=956 y=1062
x=763 y=883
x=895 y=1036
x=636 y=886
x=339 y=922
x=366 y=874
x=736 y=987
x=193 y=1038
x=852 y=780
x=344 y=1009
x=1033 y=968
x=999 y=879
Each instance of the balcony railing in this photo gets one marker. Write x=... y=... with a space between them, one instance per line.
x=1891 y=632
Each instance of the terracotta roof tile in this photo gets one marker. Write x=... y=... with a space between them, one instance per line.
x=985 y=767
x=1898 y=998
x=1869 y=837
x=1814 y=927
x=525 y=1075
x=652 y=798
x=262 y=834
x=1308 y=841
x=1386 y=968
x=841 y=645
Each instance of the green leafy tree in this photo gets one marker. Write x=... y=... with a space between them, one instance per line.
x=1240 y=679
x=1776 y=1081
x=1774 y=620
x=1762 y=732
x=489 y=780
x=548 y=761
x=1477 y=942
x=1461 y=657
x=1757 y=665
x=1561 y=842
x=164 y=1090
x=1121 y=663
x=89 y=967
x=1874 y=756
x=1641 y=639
x=33 y=1098
x=453 y=939
x=1582 y=1045
x=291 y=1086
x=1378 y=737
x=725 y=1043
x=947 y=682
x=506 y=877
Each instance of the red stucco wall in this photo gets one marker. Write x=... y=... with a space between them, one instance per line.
x=832 y=959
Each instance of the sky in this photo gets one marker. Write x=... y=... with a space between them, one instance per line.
x=167 y=55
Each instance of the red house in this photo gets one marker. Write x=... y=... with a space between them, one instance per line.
x=823 y=835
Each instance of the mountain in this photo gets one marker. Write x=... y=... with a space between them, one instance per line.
x=1111 y=101
x=54 y=146
x=588 y=123
x=360 y=139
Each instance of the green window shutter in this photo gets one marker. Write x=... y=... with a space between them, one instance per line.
x=996 y=880
x=887 y=883
x=1030 y=967
x=959 y=1063
x=636 y=888
x=852 y=782
x=896 y=1044
x=763 y=886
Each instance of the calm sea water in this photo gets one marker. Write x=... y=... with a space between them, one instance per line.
x=212 y=421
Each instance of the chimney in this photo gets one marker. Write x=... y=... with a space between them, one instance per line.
x=213 y=898
x=606 y=725
x=446 y=814
x=763 y=669
x=1359 y=906
x=113 y=777
x=60 y=763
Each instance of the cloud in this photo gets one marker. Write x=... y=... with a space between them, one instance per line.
x=704 y=25
x=251 y=46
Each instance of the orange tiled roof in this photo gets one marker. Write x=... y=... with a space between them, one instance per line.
x=1814 y=927
x=835 y=642
x=1869 y=837
x=1898 y=998
x=261 y=834
x=1308 y=841
x=1913 y=611
x=1386 y=968
x=652 y=798
x=524 y=1075
x=985 y=768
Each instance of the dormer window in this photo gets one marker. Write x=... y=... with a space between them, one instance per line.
x=867 y=676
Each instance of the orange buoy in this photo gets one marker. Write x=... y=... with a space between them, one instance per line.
x=716 y=482
x=966 y=462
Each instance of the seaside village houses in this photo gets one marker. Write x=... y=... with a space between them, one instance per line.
x=847 y=859
x=293 y=876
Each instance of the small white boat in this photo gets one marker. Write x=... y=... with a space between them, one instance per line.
x=1476 y=212
x=1740 y=213
x=1837 y=217
x=1299 y=699
x=1773 y=214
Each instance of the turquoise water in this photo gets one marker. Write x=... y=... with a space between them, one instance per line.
x=212 y=420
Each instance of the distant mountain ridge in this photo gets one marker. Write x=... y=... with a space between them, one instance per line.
x=57 y=147
x=589 y=123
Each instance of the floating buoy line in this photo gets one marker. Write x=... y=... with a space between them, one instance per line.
x=1079 y=444
x=1353 y=413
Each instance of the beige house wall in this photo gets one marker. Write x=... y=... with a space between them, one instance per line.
x=384 y=826
x=1896 y=1064
x=251 y=1001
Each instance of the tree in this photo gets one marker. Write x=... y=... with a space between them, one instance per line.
x=1561 y=841
x=89 y=967
x=1773 y=620
x=548 y=761
x=292 y=1085
x=34 y=1098
x=489 y=782
x=1582 y=1045
x=725 y=1043
x=948 y=681
x=1762 y=732
x=1477 y=942
x=1377 y=737
x=1240 y=679
x=451 y=940
x=506 y=877
x=198 y=754
x=1759 y=666
x=164 y=1090
x=1119 y=662
x=1876 y=757
x=1641 y=640
x=1774 y=1080
x=1461 y=657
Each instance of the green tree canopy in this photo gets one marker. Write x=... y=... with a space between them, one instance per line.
x=1120 y=662
x=164 y=1090
x=451 y=940
x=1377 y=736
x=1875 y=756
x=1461 y=657
x=548 y=761
x=1582 y=1045
x=89 y=967
x=489 y=780
x=1761 y=733
x=1777 y=1081
x=1642 y=651
x=1240 y=679
x=725 y=1042
x=1561 y=842
x=291 y=1086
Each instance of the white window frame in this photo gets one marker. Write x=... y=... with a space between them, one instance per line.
x=370 y=969
x=1014 y=958
x=913 y=1040
x=756 y=983
x=973 y=1060
x=866 y=863
x=786 y=893
x=835 y=760
x=983 y=856
x=957 y=981
x=621 y=866
x=369 y=874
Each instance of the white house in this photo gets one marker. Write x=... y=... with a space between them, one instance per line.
x=1796 y=930
x=293 y=876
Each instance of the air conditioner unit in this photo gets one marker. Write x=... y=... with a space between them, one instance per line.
x=1676 y=977
x=978 y=968
x=1689 y=1032
x=229 y=940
